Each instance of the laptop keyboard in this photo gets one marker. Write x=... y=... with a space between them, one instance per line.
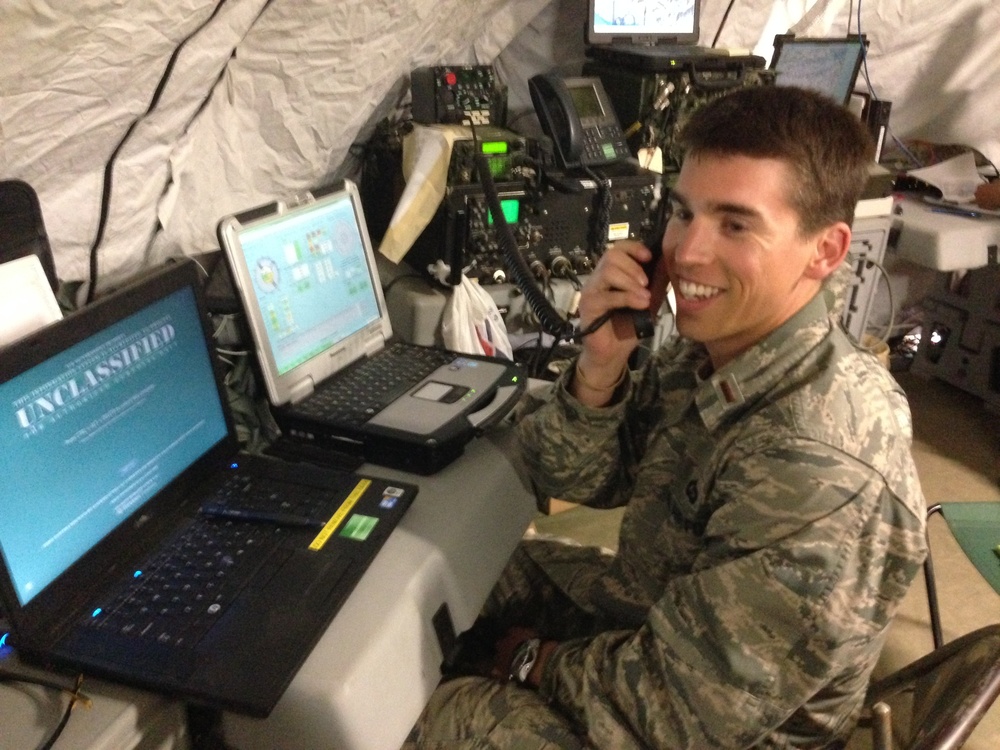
x=257 y=498
x=177 y=596
x=360 y=392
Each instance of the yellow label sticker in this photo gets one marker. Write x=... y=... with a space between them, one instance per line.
x=618 y=231
x=337 y=518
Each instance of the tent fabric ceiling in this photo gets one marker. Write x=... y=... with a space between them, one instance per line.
x=213 y=106
x=263 y=98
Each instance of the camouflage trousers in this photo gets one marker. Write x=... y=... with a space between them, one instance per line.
x=479 y=713
x=544 y=586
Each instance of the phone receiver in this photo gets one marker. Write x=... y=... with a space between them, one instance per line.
x=558 y=117
x=644 y=321
x=645 y=325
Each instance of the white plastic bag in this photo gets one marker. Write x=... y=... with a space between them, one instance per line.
x=472 y=324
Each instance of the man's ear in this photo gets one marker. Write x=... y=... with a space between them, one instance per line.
x=830 y=249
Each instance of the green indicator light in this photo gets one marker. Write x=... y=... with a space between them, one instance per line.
x=511 y=208
x=495 y=147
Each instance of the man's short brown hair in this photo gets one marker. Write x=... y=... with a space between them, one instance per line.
x=827 y=148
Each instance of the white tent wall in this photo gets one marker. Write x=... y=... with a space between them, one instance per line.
x=263 y=98
x=937 y=62
x=267 y=97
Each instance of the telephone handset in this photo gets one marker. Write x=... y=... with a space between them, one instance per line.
x=577 y=115
x=645 y=320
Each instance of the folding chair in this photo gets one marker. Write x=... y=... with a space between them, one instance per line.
x=936 y=702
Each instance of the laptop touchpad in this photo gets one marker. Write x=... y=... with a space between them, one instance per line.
x=441 y=392
x=307 y=575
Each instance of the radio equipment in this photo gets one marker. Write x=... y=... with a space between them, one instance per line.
x=653 y=106
x=458 y=94
x=561 y=225
x=505 y=151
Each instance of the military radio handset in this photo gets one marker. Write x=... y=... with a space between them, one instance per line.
x=644 y=321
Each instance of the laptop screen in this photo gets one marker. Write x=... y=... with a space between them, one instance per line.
x=311 y=279
x=643 y=21
x=307 y=280
x=829 y=66
x=134 y=404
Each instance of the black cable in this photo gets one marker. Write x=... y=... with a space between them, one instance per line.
x=864 y=56
x=598 y=234
x=48 y=682
x=594 y=325
x=551 y=321
x=722 y=23
x=536 y=356
x=113 y=158
x=73 y=698
x=110 y=164
x=871 y=92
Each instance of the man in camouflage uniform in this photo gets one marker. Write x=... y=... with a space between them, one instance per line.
x=774 y=518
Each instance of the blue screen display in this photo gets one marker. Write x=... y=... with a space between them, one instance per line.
x=311 y=279
x=90 y=435
x=659 y=17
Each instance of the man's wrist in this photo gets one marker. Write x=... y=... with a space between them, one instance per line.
x=538 y=670
x=596 y=389
x=599 y=387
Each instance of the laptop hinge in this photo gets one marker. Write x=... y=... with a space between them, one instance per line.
x=644 y=41
x=301 y=389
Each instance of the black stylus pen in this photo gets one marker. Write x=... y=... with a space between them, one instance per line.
x=261 y=516
x=967 y=212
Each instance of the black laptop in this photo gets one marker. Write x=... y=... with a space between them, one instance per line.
x=138 y=544
x=304 y=270
x=651 y=35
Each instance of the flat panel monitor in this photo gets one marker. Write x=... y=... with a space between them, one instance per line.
x=643 y=21
x=827 y=65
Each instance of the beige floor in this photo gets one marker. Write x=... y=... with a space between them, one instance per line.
x=957 y=451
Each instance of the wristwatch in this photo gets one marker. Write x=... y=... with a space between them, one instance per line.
x=524 y=659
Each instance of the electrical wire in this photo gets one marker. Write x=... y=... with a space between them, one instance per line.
x=892 y=304
x=109 y=166
x=864 y=57
x=517 y=267
x=722 y=23
x=75 y=696
x=602 y=218
x=871 y=90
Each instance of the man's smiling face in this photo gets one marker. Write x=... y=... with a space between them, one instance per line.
x=734 y=254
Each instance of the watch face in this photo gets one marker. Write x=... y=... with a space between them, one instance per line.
x=524 y=659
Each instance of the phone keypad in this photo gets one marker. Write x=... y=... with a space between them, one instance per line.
x=602 y=144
